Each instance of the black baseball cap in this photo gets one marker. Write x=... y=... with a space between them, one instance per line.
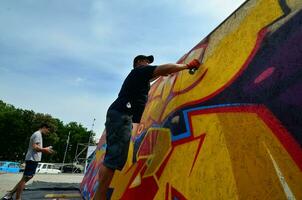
x=142 y=57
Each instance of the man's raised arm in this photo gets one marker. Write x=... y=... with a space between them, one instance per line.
x=165 y=69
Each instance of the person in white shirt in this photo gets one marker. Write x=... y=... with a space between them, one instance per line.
x=32 y=158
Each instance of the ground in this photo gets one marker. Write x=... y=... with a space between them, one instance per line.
x=8 y=181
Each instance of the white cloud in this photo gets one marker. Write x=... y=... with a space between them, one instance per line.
x=78 y=81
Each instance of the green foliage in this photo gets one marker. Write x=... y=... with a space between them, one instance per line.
x=17 y=125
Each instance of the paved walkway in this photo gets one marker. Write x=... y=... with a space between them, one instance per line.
x=8 y=181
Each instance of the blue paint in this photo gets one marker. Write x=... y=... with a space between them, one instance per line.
x=186 y=118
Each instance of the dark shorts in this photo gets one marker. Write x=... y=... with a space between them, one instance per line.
x=118 y=134
x=30 y=168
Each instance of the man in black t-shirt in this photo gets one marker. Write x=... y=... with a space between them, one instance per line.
x=127 y=109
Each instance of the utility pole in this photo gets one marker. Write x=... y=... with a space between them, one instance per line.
x=67 y=143
x=89 y=140
x=91 y=132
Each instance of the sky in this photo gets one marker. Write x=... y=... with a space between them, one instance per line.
x=68 y=58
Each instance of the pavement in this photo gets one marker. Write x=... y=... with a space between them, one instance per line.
x=8 y=181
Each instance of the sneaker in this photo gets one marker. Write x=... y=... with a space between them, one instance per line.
x=8 y=196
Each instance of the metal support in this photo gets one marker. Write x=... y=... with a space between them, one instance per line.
x=67 y=143
x=90 y=135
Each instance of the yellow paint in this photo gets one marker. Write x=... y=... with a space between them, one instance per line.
x=161 y=93
x=233 y=162
x=184 y=79
x=128 y=163
x=64 y=196
x=230 y=55
x=168 y=87
x=158 y=89
x=245 y=135
x=178 y=168
x=160 y=151
x=120 y=181
x=155 y=106
x=211 y=177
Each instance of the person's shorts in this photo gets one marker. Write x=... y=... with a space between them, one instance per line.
x=30 y=168
x=118 y=133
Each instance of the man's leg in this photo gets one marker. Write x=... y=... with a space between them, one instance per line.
x=105 y=177
x=118 y=133
x=10 y=193
x=29 y=172
x=18 y=188
x=21 y=186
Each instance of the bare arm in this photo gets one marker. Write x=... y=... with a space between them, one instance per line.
x=165 y=69
x=37 y=148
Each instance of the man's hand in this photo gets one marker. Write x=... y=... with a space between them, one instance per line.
x=165 y=69
x=48 y=150
x=193 y=64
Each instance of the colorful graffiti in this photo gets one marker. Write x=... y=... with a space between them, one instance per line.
x=233 y=129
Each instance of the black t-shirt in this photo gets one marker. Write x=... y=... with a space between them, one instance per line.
x=133 y=95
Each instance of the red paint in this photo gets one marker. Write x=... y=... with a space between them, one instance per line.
x=203 y=44
x=163 y=165
x=288 y=142
x=141 y=167
x=128 y=170
x=176 y=194
x=198 y=150
x=167 y=192
x=191 y=86
x=175 y=144
x=146 y=148
x=147 y=190
x=149 y=187
x=264 y=75
x=285 y=138
x=172 y=79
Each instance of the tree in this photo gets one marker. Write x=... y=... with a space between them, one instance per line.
x=17 y=125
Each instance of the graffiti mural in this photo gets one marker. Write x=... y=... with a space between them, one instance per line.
x=233 y=129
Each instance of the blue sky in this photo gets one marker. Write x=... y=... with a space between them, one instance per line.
x=68 y=58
